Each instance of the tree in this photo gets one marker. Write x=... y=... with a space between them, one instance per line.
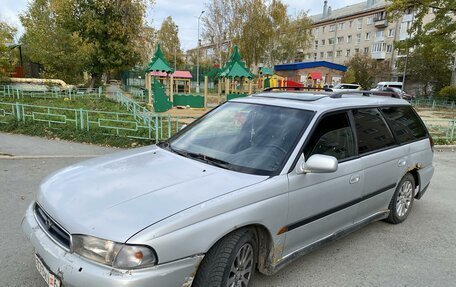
x=255 y=36
x=364 y=70
x=436 y=33
x=428 y=65
x=263 y=30
x=7 y=59
x=72 y=36
x=289 y=35
x=63 y=54
x=168 y=38
x=216 y=26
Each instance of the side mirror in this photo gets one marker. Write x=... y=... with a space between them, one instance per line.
x=317 y=163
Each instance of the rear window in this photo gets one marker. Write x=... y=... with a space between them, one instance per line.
x=371 y=130
x=405 y=123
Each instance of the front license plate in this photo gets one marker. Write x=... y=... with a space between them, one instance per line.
x=48 y=276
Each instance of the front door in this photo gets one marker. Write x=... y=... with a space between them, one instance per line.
x=323 y=203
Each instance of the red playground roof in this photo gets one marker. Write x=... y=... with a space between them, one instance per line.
x=176 y=74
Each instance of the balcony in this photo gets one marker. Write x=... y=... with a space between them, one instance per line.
x=378 y=55
x=407 y=18
x=380 y=23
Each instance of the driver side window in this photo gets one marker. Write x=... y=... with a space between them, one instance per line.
x=332 y=136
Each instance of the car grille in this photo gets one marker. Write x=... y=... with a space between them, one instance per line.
x=52 y=228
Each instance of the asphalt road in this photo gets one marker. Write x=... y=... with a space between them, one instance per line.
x=419 y=252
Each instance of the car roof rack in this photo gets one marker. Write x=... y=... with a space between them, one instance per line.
x=338 y=95
x=297 y=88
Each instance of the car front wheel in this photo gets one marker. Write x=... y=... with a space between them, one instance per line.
x=230 y=262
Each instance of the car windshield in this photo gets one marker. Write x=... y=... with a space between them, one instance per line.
x=244 y=137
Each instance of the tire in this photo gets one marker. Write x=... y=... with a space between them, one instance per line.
x=218 y=268
x=402 y=201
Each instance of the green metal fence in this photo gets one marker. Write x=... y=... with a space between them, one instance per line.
x=136 y=123
x=16 y=92
x=433 y=103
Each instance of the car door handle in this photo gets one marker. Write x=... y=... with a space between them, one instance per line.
x=354 y=179
x=401 y=162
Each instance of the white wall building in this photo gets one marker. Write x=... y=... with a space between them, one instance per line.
x=364 y=28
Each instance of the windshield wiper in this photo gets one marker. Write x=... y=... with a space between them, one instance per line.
x=198 y=156
x=210 y=160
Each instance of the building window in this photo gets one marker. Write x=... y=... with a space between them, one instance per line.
x=391 y=32
x=315 y=56
x=389 y=48
x=332 y=28
x=316 y=30
x=329 y=54
x=350 y=24
x=331 y=41
x=368 y=35
x=347 y=53
x=341 y=26
x=360 y=23
x=323 y=29
x=323 y=42
x=340 y=40
x=378 y=47
x=316 y=45
x=356 y=50
x=339 y=53
x=349 y=38
x=322 y=55
x=370 y=20
x=358 y=39
x=379 y=34
x=380 y=16
x=366 y=50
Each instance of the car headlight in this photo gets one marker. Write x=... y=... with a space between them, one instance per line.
x=113 y=254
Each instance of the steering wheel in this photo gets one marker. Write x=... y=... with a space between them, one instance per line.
x=276 y=147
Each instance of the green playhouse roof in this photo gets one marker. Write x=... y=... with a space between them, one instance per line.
x=158 y=63
x=266 y=71
x=235 y=67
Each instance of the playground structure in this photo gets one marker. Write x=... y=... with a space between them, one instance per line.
x=160 y=77
x=234 y=79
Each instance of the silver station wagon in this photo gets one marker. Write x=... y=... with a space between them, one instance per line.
x=249 y=186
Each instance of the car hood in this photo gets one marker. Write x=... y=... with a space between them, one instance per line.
x=114 y=197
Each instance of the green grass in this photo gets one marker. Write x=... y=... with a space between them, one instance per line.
x=98 y=104
x=68 y=131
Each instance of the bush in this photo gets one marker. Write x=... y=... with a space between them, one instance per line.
x=448 y=93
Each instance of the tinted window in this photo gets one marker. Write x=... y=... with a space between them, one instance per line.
x=332 y=136
x=405 y=123
x=372 y=131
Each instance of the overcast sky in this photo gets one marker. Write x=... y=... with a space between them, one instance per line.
x=184 y=13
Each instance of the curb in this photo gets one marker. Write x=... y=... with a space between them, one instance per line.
x=442 y=148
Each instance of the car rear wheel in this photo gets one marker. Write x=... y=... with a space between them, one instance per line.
x=230 y=262
x=402 y=201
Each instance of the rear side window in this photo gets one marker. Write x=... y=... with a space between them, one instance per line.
x=371 y=130
x=332 y=136
x=405 y=123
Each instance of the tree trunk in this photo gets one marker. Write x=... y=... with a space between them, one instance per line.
x=96 y=79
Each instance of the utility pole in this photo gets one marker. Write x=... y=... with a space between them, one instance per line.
x=197 y=56
x=175 y=50
x=453 y=72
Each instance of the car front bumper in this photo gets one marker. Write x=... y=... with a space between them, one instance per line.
x=74 y=270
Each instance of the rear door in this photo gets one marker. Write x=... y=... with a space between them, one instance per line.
x=411 y=133
x=323 y=203
x=383 y=161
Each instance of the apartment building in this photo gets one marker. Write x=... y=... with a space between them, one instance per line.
x=362 y=27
